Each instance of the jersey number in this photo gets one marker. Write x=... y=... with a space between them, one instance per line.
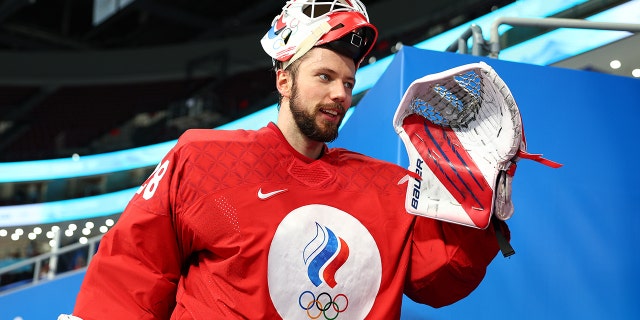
x=151 y=185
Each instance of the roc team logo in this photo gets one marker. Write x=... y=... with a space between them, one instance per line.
x=323 y=264
x=324 y=255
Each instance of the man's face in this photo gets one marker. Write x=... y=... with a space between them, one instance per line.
x=321 y=93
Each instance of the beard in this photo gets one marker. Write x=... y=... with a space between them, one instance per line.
x=326 y=131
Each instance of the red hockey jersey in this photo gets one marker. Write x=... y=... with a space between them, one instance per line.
x=239 y=225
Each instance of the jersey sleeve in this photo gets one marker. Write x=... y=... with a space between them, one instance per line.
x=135 y=271
x=448 y=261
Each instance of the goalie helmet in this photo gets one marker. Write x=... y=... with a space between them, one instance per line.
x=341 y=25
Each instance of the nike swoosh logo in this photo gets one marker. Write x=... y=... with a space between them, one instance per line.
x=265 y=196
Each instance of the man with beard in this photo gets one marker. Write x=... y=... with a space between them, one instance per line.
x=271 y=223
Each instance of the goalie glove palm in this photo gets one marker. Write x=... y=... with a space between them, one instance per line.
x=463 y=134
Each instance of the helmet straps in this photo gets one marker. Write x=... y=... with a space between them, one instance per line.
x=308 y=43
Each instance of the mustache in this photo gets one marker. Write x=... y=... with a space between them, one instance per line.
x=332 y=106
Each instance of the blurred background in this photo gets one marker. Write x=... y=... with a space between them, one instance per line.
x=93 y=93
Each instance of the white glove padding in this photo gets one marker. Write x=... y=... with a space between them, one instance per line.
x=463 y=134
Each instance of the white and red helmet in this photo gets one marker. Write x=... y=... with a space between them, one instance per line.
x=342 y=25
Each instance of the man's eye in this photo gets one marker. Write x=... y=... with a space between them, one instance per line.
x=324 y=77
x=348 y=85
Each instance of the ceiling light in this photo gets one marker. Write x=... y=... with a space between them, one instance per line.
x=636 y=73
x=615 y=64
x=396 y=47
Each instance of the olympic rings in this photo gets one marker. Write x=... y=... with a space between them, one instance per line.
x=279 y=43
x=290 y=29
x=311 y=303
x=324 y=308
x=346 y=302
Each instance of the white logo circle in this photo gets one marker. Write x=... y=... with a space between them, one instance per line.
x=323 y=264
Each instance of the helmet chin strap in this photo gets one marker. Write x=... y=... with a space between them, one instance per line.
x=308 y=43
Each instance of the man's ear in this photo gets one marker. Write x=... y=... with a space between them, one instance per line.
x=284 y=82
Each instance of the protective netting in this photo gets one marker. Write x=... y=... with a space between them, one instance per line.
x=455 y=103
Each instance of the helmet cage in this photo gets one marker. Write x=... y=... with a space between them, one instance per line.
x=303 y=24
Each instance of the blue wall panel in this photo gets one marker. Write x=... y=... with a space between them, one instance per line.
x=575 y=229
x=45 y=301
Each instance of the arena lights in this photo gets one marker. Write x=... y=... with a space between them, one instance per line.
x=65 y=210
x=92 y=228
x=76 y=165
x=615 y=64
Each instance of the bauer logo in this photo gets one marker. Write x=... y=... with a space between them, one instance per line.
x=323 y=264
x=417 y=184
